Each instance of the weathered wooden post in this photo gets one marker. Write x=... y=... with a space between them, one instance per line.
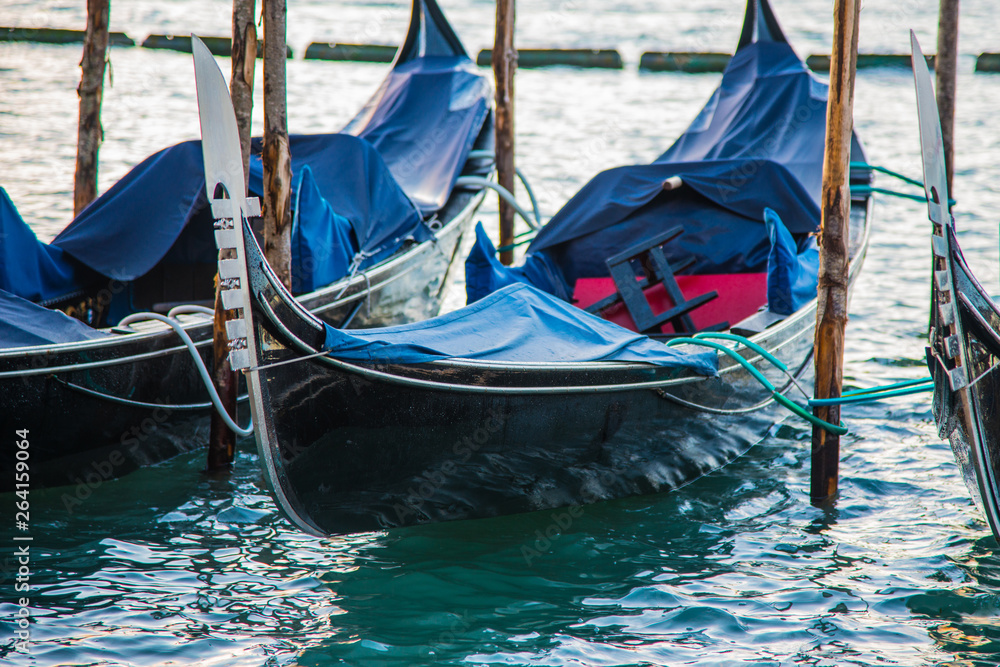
x=504 y=66
x=945 y=70
x=90 y=134
x=831 y=316
x=222 y=441
x=276 y=156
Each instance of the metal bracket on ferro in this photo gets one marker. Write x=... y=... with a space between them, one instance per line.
x=939 y=246
x=952 y=346
x=957 y=378
x=943 y=279
x=222 y=208
x=947 y=314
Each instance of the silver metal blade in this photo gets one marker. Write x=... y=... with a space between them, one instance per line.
x=220 y=138
x=931 y=141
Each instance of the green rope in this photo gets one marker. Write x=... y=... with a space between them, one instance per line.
x=778 y=396
x=505 y=248
x=877 y=393
x=866 y=189
x=888 y=172
x=748 y=343
x=894 y=385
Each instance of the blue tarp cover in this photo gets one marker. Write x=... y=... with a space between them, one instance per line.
x=757 y=143
x=123 y=233
x=792 y=276
x=29 y=268
x=485 y=274
x=427 y=118
x=424 y=118
x=323 y=242
x=353 y=179
x=426 y=115
x=518 y=323
x=23 y=323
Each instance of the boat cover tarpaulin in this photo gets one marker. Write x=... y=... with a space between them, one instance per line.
x=425 y=118
x=323 y=244
x=126 y=231
x=757 y=143
x=29 y=268
x=426 y=115
x=484 y=274
x=353 y=179
x=792 y=276
x=123 y=233
x=23 y=323
x=517 y=323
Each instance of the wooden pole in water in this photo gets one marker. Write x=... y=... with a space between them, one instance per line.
x=831 y=316
x=222 y=441
x=945 y=70
x=504 y=66
x=276 y=156
x=90 y=134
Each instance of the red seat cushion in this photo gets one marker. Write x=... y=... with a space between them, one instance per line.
x=740 y=296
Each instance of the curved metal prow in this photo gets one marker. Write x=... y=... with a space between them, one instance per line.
x=429 y=34
x=224 y=184
x=931 y=141
x=224 y=176
x=760 y=25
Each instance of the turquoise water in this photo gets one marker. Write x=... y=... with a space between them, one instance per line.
x=166 y=566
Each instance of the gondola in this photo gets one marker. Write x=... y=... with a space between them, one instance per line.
x=379 y=211
x=523 y=400
x=964 y=334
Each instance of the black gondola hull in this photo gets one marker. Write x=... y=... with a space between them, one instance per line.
x=357 y=448
x=966 y=402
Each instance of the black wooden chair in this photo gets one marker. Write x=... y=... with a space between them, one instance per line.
x=655 y=269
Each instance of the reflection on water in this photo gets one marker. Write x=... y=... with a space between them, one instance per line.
x=166 y=565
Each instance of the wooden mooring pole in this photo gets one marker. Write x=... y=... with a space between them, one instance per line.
x=831 y=315
x=504 y=66
x=222 y=441
x=90 y=134
x=945 y=70
x=276 y=156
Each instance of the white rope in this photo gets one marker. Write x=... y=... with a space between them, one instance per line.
x=504 y=194
x=199 y=364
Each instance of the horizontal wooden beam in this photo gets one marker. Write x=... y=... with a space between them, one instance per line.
x=58 y=36
x=821 y=62
x=587 y=58
x=366 y=53
x=683 y=61
x=219 y=46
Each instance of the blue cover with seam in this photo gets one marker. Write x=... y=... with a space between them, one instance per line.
x=757 y=143
x=517 y=323
x=29 y=268
x=23 y=323
x=429 y=110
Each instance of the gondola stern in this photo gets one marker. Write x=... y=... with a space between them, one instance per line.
x=760 y=25
x=429 y=34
